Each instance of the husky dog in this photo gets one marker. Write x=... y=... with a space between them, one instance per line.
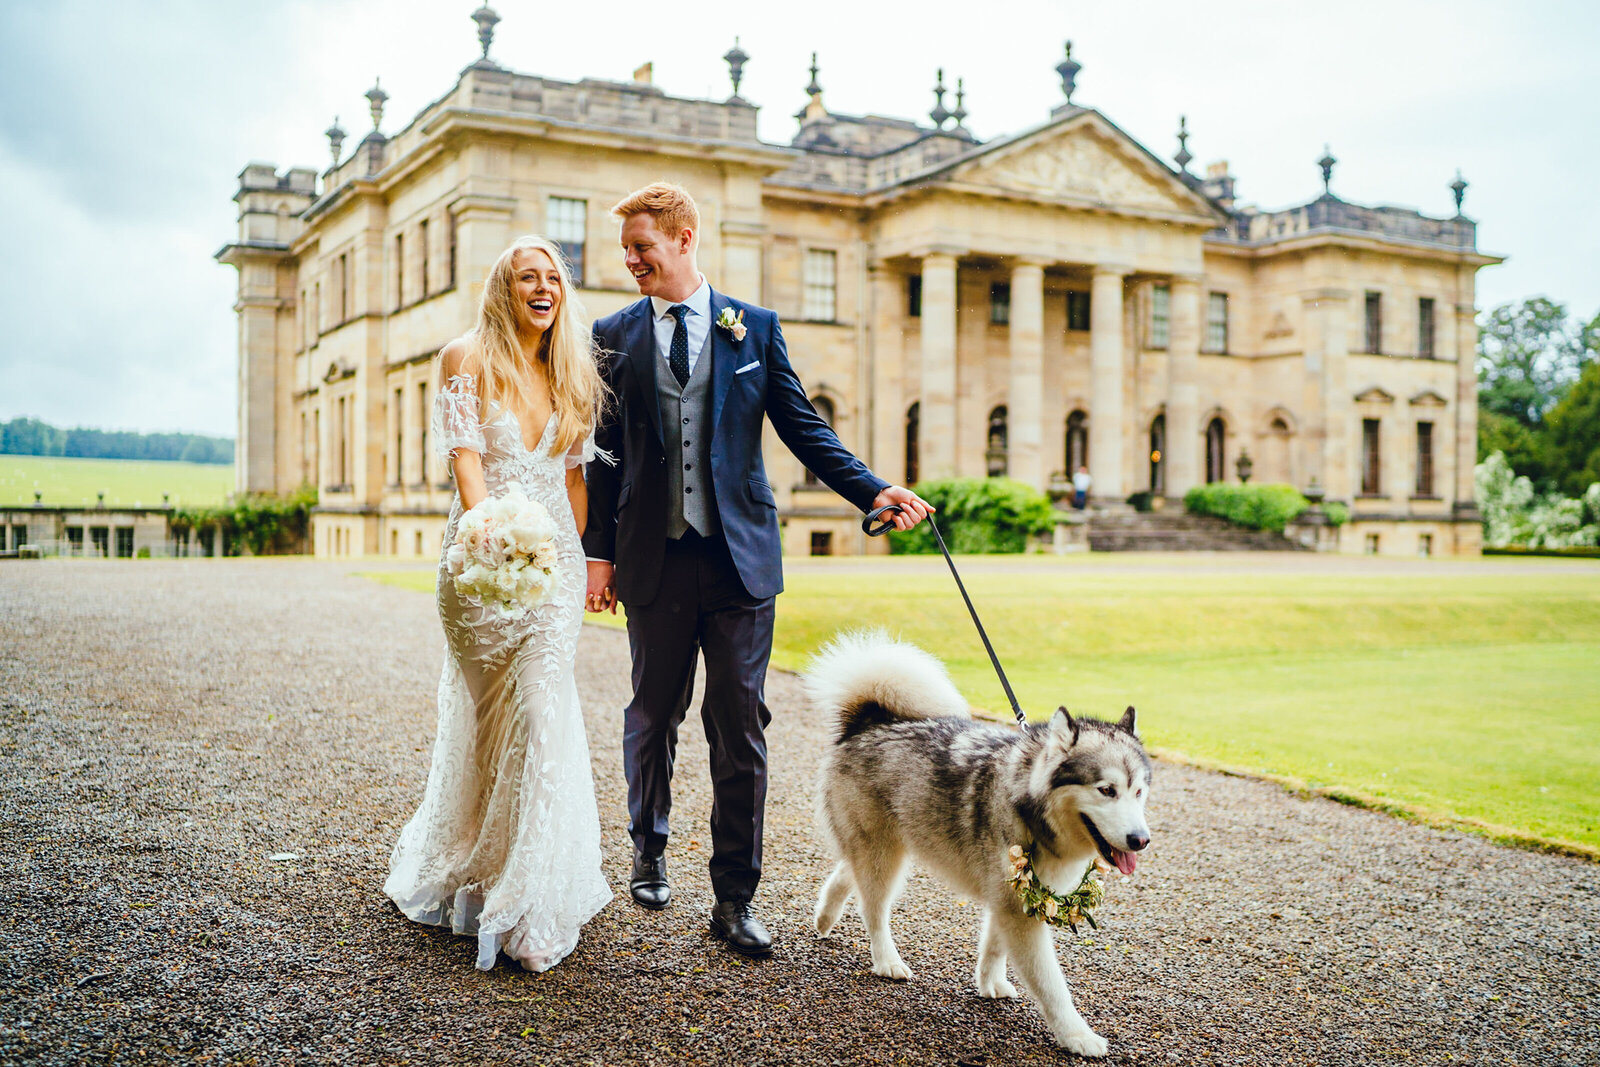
x=911 y=773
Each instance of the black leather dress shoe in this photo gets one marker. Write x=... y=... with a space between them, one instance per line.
x=649 y=882
x=731 y=920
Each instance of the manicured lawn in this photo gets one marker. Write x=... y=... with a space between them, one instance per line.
x=126 y=482
x=1467 y=695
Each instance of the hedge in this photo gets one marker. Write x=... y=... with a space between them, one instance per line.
x=978 y=515
x=1259 y=507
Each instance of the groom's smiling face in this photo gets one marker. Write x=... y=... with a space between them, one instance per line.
x=661 y=264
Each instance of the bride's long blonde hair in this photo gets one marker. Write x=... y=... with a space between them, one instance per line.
x=567 y=349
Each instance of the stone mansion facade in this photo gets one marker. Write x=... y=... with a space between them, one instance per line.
x=1019 y=306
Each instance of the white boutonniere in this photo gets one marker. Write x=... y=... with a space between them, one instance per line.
x=733 y=323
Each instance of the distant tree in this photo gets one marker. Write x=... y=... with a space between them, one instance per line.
x=1529 y=354
x=1572 y=434
x=1526 y=449
x=30 y=437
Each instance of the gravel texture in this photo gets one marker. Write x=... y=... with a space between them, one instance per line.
x=204 y=764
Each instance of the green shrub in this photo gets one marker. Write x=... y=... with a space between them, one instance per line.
x=265 y=523
x=978 y=515
x=1260 y=507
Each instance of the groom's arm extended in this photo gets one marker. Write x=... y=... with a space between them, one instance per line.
x=604 y=479
x=816 y=445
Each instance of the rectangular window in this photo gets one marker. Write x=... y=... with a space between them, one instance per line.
x=1372 y=544
x=1077 y=310
x=75 y=540
x=305 y=449
x=1216 y=322
x=19 y=536
x=339 y=443
x=399 y=436
x=422 y=246
x=100 y=537
x=399 y=271
x=819 y=298
x=124 y=542
x=1424 y=459
x=305 y=319
x=1371 y=483
x=1374 y=323
x=344 y=286
x=1000 y=304
x=316 y=312
x=450 y=238
x=821 y=543
x=1160 y=316
x=422 y=433
x=568 y=221
x=914 y=296
x=1425 y=544
x=1425 y=327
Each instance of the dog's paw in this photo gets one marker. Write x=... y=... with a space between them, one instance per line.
x=1084 y=1043
x=824 y=922
x=894 y=968
x=996 y=988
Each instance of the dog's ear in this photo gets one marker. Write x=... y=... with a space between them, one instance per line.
x=1127 y=722
x=1065 y=726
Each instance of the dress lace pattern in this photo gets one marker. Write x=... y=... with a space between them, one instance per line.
x=506 y=843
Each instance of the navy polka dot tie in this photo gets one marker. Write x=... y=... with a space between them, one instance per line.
x=678 y=355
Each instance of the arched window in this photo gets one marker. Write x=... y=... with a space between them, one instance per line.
x=824 y=408
x=913 y=419
x=1077 y=441
x=995 y=451
x=1216 y=468
x=1158 y=456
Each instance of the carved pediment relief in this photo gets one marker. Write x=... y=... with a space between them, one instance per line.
x=1280 y=327
x=1428 y=399
x=1082 y=163
x=1374 y=394
x=335 y=372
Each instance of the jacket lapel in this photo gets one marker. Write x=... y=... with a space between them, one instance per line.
x=641 y=349
x=722 y=359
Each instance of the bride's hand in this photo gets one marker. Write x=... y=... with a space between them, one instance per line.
x=601 y=593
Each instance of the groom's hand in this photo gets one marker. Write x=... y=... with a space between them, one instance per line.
x=601 y=594
x=913 y=509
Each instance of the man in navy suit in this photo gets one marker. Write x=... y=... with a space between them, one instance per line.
x=683 y=530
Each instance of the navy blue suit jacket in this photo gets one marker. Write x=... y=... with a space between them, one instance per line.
x=627 y=502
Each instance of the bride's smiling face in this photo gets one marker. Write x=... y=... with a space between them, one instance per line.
x=537 y=285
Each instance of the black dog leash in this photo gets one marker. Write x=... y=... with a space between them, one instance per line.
x=884 y=527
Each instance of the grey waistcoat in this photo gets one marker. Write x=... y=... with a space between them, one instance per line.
x=686 y=432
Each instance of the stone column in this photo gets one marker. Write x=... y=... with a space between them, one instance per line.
x=937 y=441
x=886 y=411
x=1025 y=401
x=1327 y=446
x=1106 y=374
x=1466 y=458
x=1183 y=396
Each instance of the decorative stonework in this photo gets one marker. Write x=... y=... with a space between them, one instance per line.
x=1079 y=166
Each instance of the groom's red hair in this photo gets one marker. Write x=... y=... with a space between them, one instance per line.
x=670 y=205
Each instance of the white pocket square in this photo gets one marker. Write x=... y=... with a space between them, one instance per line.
x=748 y=366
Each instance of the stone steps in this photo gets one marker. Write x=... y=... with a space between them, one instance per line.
x=1178 y=531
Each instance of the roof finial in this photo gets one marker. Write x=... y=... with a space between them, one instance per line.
x=1183 y=157
x=335 y=135
x=813 y=89
x=1326 y=163
x=1459 y=187
x=486 y=18
x=1068 y=69
x=960 y=113
x=376 y=97
x=940 y=114
x=736 y=58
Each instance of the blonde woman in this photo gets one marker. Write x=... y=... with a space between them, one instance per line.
x=506 y=843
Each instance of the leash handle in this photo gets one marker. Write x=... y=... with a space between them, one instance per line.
x=873 y=527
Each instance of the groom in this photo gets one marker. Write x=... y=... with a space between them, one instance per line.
x=683 y=530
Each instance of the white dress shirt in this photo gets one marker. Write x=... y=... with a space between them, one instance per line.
x=698 y=322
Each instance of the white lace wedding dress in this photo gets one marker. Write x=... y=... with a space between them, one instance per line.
x=506 y=843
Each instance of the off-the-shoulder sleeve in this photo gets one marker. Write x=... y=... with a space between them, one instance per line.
x=456 y=423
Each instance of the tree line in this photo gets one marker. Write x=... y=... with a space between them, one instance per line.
x=32 y=437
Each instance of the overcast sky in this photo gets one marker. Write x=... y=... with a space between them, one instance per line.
x=123 y=128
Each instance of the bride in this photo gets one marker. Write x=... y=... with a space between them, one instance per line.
x=506 y=843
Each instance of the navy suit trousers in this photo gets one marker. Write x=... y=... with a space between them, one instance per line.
x=701 y=605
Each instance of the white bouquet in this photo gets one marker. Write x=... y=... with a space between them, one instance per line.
x=503 y=557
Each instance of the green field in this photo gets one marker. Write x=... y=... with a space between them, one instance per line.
x=126 y=482
x=1457 y=694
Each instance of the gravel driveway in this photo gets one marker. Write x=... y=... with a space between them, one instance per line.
x=204 y=764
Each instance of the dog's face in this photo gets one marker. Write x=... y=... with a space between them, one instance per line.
x=1098 y=779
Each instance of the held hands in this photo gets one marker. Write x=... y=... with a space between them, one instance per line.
x=913 y=509
x=602 y=592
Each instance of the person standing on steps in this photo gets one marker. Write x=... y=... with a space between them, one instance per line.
x=683 y=531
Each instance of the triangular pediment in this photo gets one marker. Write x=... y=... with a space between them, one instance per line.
x=1374 y=394
x=1428 y=399
x=1084 y=159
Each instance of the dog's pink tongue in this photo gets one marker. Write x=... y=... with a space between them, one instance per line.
x=1126 y=862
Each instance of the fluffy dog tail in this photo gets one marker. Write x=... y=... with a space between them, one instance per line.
x=866 y=678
